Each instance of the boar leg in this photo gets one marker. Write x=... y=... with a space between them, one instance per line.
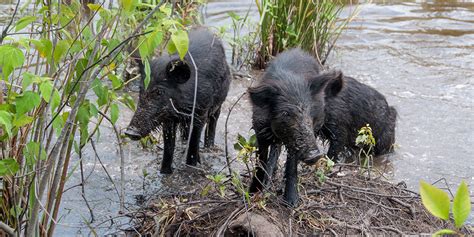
x=291 y=181
x=211 y=129
x=192 y=157
x=169 y=136
x=258 y=179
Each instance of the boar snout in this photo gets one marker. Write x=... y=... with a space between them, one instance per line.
x=133 y=133
x=313 y=157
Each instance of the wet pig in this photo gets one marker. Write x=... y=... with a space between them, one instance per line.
x=168 y=100
x=295 y=102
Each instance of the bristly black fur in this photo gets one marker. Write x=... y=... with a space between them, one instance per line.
x=295 y=102
x=168 y=100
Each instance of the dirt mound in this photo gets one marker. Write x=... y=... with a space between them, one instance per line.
x=346 y=202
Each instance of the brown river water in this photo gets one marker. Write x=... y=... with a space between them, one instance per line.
x=419 y=54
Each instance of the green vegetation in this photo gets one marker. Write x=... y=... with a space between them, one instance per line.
x=50 y=60
x=312 y=25
x=323 y=167
x=366 y=141
x=437 y=202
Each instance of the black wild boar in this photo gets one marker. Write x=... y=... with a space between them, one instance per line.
x=168 y=100
x=294 y=103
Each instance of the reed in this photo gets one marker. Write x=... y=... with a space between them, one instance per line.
x=313 y=25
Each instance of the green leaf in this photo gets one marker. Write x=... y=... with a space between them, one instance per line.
x=44 y=47
x=8 y=167
x=32 y=153
x=171 y=47
x=147 y=73
x=61 y=47
x=241 y=139
x=237 y=146
x=166 y=9
x=6 y=120
x=461 y=205
x=116 y=81
x=94 y=7
x=22 y=121
x=46 y=89
x=128 y=101
x=444 y=232
x=114 y=112
x=93 y=110
x=435 y=200
x=181 y=42
x=127 y=5
x=56 y=100
x=83 y=115
x=234 y=16
x=23 y=22
x=101 y=91
x=154 y=39
x=26 y=102
x=253 y=140
x=10 y=58
x=27 y=80
x=59 y=121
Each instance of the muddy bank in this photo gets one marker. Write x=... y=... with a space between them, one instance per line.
x=346 y=203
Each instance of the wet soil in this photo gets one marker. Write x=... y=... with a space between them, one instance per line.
x=347 y=202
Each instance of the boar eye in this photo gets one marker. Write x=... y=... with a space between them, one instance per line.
x=285 y=114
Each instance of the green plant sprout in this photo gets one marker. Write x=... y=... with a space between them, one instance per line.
x=437 y=202
x=323 y=166
x=246 y=148
x=366 y=141
x=218 y=180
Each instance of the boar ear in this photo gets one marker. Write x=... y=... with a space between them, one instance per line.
x=262 y=95
x=334 y=85
x=330 y=82
x=178 y=71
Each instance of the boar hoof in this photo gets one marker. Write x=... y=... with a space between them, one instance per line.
x=167 y=170
x=292 y=200
x=193 y=160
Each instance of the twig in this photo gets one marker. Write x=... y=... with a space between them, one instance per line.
x=7 y=27
x=389 y=228
x=10 y=231
x=191 y=126
x=83 y=191
x=103 y=167
x=226 y=132
x=445 y=183
x=122 y=161
x=221 y=229
x=412 y=212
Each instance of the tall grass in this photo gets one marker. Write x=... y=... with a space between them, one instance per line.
x=313 y=25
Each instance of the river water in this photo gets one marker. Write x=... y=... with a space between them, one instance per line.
x=419 y=54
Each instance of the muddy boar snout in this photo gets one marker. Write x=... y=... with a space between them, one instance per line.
x=133 y=133
x=313 y=156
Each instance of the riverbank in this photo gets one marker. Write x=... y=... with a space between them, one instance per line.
x=348 y=202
